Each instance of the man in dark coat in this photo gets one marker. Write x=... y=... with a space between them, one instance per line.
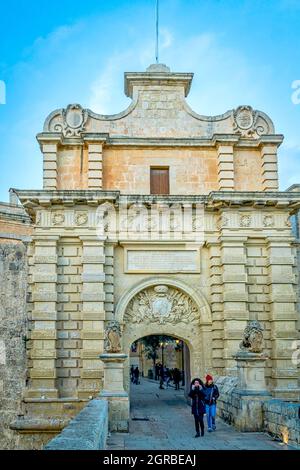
x=211 y=395
x=198 y=406
x=136 y=375
x=176 y=378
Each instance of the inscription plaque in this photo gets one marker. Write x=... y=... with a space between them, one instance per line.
x=163 y=261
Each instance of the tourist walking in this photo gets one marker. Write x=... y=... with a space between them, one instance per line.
x=176 y=378
x=157 y=369
x=162 y=376
x=198 y=406
x=136 y=375
x=211 y=395
x=168 y=377
x=132 y=373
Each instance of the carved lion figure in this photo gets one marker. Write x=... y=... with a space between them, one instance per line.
x=112 y=341
x=253 y=340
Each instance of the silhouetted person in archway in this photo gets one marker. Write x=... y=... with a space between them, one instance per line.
x=162 y=376
x=157 y=368
x=176 y=378
x=198 y=406
x=136 y=375
x=132 y=373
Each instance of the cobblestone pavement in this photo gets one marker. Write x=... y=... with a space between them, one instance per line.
x=170 y=425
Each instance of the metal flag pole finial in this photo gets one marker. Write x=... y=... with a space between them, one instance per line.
x=157 y=31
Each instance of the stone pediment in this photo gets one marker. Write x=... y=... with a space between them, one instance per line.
x=158 y=109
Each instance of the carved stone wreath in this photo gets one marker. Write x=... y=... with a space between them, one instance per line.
x=162 y=304
x=245 y=221
x=58 y=218
x=268 y=221
x=81 y=218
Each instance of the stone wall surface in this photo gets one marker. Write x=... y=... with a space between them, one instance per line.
x=279 y=418
x=282 y=420
x=13 y=335
x=87 y=431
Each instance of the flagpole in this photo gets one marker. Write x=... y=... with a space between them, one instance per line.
x=157 y=32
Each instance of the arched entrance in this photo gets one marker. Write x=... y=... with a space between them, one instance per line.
x=157 y=306
x=165 y=306
x=162 y=359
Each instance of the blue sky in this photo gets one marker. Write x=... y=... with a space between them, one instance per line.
x=60 y=52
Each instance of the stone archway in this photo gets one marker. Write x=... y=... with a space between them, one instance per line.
x=163 y=305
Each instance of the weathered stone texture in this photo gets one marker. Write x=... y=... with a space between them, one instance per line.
x=13 y=336
x=87 y=431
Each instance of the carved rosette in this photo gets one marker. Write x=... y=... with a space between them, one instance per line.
x=74 y=119
x=249 y=123
x=245 y=221
x=58 y=218
x=253 y=340
x=268 y=221
x=112 y=341
x=162 y=304
x=81 y=218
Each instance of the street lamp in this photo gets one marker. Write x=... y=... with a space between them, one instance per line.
x=162 y=353
x=180 y=346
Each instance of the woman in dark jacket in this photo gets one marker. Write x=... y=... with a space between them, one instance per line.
x=198 y=407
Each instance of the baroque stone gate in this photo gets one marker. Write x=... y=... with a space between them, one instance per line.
x=154 y=220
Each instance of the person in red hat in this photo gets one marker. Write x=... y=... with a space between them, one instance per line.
x=211 y=395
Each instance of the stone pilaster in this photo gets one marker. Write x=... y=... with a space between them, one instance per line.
x=113 y=391
x=216 y=302
x=95 y=166
x=109 y=280
x=235 y=296
x=269 y=168
x=44 y=316
x=283 y=316
x=93 y=315
x=49 y=166
x=225 y=167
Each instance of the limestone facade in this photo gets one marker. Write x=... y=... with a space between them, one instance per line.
x=236 y=262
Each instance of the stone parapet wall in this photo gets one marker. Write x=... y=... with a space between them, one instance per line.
x=257 y=413
x=282 y=420
x=87 y=431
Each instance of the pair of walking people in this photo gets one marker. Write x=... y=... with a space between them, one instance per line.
x=204 y=401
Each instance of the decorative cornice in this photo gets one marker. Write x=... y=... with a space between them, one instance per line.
x=216 y=199
x=124 y=141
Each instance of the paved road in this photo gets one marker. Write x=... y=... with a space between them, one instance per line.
x=170 y=425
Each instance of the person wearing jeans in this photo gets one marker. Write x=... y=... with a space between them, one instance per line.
x=211 y=395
